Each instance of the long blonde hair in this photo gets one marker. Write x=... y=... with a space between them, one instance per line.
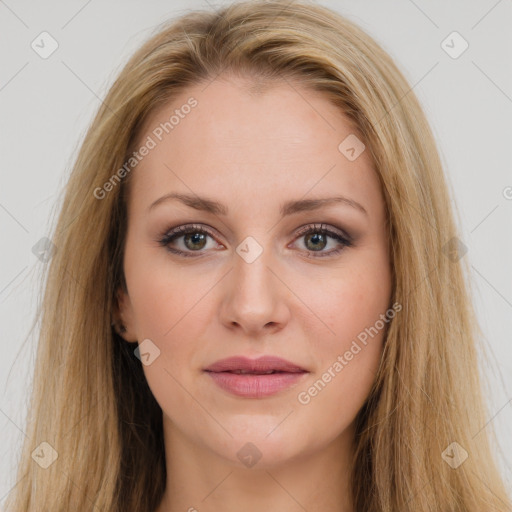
x=90 y=400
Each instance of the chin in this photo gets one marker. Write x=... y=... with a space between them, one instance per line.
x=254 y=448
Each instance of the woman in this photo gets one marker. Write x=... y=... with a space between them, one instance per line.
x=257 y=299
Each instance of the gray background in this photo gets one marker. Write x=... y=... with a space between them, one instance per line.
x=46 y=105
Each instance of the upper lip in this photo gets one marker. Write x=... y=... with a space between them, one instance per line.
x=260 y=365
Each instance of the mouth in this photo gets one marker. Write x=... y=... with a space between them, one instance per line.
x=264 y=365
x=255 y=378
x=245 y=372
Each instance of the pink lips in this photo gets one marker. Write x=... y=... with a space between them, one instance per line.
x=255 y=378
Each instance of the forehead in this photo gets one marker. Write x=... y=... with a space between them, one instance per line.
x=249 y=140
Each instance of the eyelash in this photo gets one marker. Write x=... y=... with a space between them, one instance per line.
x=170 y=236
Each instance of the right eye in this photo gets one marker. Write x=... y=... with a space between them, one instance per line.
x=194 y=237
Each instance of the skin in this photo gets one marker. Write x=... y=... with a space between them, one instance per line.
x=251 y=150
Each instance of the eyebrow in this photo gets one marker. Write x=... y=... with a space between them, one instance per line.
x=287 y=208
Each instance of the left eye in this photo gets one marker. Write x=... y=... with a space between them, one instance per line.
x=316 y=238
x=195 y=239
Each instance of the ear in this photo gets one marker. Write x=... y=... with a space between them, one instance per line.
x=123 y=316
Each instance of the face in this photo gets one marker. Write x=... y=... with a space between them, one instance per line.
x=256 y=269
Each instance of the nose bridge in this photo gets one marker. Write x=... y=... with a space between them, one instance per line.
x=255 y=298
x=253 y=279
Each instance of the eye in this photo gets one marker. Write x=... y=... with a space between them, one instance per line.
x=195 y=240
x=316 y=238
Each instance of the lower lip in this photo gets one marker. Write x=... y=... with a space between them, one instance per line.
x=255 y=386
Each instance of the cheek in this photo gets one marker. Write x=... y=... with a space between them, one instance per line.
x=348 y=303
x=348 y=360
x=163 y=295
x=167 y=307
x=352 y=305
x=336 y=394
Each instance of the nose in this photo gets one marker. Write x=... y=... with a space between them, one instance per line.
x=255 y=300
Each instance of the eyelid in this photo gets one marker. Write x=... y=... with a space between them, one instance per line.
x=184 y=229
x=321 y=226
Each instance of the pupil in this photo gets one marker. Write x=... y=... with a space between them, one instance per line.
x=316 y=238
x=196 y=238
